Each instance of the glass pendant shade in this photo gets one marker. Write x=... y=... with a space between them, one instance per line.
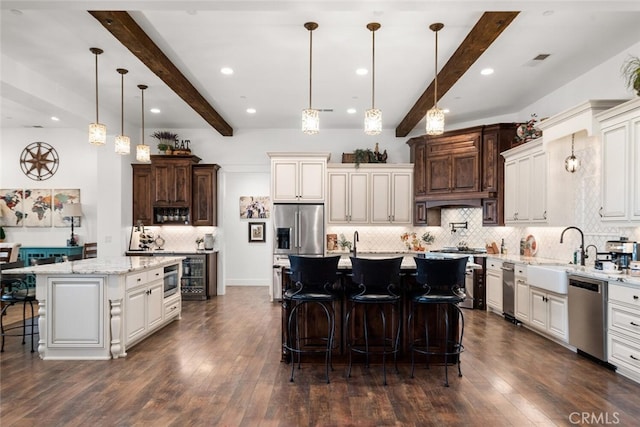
x=123 y=144
x=97 y=134
x=310 y=121
x=572 y=163
x=373 y=121
x=143 y=154
x=435 y=121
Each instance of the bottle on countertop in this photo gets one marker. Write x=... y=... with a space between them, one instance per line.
x=503 y=249
x=522 y=245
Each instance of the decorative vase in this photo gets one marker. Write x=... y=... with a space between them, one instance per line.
x=208 y=241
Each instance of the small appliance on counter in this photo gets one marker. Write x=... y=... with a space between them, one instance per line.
x=141 y=240
x=622 y=252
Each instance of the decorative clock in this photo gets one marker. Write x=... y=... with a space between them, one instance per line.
x=39 y=161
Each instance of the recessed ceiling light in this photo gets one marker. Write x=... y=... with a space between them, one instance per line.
x=155 y=110
x=351 y=111
x=227 y=71
x=55 y=119
x=446 y=110
x=251 y=110
x=362 y=71
x=486 y=71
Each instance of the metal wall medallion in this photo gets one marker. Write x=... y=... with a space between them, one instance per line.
x=39 y=161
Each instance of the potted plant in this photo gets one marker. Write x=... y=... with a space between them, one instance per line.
x=344 y=243
x=166 y=140
x=631 y=72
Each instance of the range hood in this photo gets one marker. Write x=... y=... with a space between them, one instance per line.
x=456 y=203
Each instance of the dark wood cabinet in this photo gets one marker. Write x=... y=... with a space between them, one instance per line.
x=175 y=190
x=142 y=203
x=462 y=168
x=172 y=180
x=203 y=201
x=426 y=216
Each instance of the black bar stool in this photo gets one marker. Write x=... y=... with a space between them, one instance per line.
x=442 y=283
x=377 y=283
x=314 y=279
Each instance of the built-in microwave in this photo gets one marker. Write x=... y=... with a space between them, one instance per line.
x=171 y=280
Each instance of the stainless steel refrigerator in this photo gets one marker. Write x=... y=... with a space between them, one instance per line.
x=298 y=229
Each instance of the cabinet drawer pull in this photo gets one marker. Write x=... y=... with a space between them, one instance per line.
x=634 y=324
x=138 y=279
x=635 y=297
x=633 y=357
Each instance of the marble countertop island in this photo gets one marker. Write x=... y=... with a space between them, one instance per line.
x=111 y=265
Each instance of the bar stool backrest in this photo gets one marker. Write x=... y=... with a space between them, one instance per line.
x=376 y=276
x=441 y=276
x=314 y=274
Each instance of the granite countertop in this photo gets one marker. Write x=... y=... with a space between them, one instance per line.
x=579 y=270
x=106 y=265
x=407 y=259
x=171 y=252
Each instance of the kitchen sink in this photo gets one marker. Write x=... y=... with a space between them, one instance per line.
x=549 y=277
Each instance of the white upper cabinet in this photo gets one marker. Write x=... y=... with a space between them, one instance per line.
x=525 y=183
x=372 y=194
x=620 y=139
x=298 y=177
x=348 y=197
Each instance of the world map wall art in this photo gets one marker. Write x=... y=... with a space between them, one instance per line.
x=37 y=207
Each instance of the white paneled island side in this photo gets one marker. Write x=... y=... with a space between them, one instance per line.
x=96 y=309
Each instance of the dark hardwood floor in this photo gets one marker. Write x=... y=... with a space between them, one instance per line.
x=220 y=366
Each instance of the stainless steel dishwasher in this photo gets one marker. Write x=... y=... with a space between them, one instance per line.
x=587 y=299
x=508 y=291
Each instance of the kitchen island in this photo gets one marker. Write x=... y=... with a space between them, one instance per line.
x=96 y=309
x=314 y=323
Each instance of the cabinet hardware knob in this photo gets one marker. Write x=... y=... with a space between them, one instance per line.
x=544 y=215
x=635 y=297
x=600 y=211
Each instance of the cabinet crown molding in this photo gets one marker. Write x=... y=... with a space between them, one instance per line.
x=575 y=119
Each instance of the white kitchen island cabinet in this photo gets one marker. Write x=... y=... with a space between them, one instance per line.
x=95 y=309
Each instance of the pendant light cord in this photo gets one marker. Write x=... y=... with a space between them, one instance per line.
x=435 y=90
x=122 y=104
x=573 y=135
x=142 y=88
x=310 y=64
x=373 y=69
x=97 y=119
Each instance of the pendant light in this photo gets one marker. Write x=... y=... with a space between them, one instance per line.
x=435 y=116
x=572 y=163
x=142 y=151
x=373 y=116
x=310 y=117
x=97 y=131
x=122 y=142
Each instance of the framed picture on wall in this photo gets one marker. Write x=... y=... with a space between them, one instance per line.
x=256 y=207
x=256 y=232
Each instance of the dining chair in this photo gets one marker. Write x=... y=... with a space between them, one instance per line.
x=5 y=254
x=90 y=250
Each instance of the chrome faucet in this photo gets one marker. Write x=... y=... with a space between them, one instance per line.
x=582 y=252
x=356 y=237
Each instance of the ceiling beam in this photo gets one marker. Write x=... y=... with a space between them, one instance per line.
x=485 y=32
x=129 y=33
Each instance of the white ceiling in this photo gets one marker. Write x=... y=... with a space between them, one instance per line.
x=47 y=68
